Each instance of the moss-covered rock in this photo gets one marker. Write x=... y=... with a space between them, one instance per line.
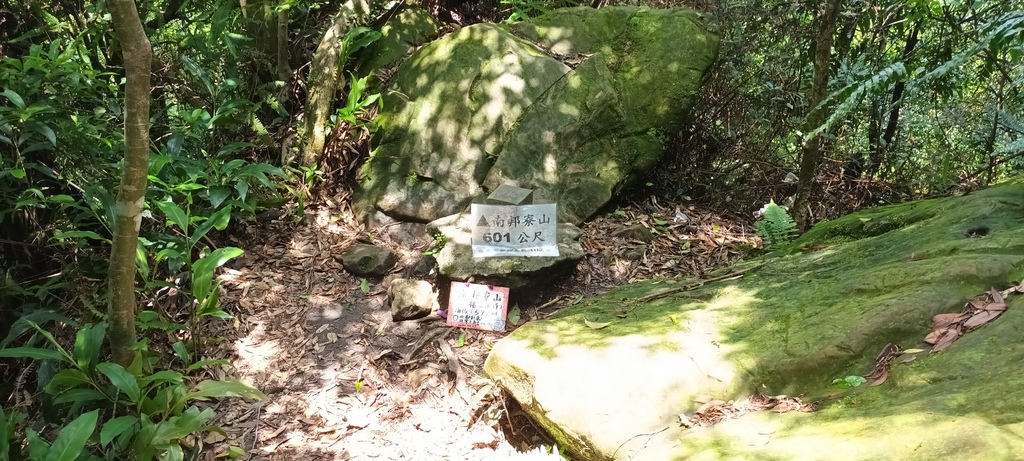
x=574 y=104
x=791 y=325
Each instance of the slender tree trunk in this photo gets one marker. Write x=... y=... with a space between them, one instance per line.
x=883 y=145
x=131 y=194
x=283 y=69
x=825 y=28
x=326 y=77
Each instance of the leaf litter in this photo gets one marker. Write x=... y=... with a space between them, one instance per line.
x=346 y=382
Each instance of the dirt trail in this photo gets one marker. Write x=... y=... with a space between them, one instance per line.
x=346 y=382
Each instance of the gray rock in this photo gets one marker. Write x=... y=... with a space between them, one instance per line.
x=411 y=299
x=575 y=111
x=634 y=232
x=456 y=259
x=367 y=260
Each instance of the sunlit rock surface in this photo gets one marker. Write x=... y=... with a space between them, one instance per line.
x=575 y=105
x=791 y=325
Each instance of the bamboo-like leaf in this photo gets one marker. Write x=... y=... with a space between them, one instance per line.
x=33 y=353
x=72 y=439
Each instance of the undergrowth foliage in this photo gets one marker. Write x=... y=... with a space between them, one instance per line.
x=141 y=413
x=776 y=226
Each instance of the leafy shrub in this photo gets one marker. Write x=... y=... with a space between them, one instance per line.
x=142 y=414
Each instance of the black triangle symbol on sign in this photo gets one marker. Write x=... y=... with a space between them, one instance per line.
x=482 y=222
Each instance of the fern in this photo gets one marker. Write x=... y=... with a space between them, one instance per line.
x=849 y=97
x=775 y=226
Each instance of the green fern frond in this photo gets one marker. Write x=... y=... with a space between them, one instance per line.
x=775 y=226
x=850 y=96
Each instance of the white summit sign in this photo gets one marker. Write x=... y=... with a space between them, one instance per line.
x=514 y=230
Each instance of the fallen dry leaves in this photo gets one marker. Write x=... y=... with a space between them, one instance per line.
x=946 y=329
x=716 y=411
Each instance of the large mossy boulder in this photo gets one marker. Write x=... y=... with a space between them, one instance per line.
x=791 y=325
x=575 y=105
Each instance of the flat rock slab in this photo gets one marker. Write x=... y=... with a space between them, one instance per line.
x=790 y=325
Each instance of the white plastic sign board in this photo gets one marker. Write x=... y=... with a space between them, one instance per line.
x=507 y=230
x=472 y=305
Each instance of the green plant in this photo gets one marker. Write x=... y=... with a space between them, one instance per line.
x=142 y=413
x=525 y=9
x=356 y=103
x=440 y=240
x=775 y=225
x=849 y=382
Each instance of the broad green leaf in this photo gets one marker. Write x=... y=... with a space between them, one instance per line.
x=72 y=439
x=32 y=319
x=33 y=353
x=142 y=259
x=203 y=363
x=364 y=286
x=116 y=427
x=178 y=427
x=210 y=307
x=48 y=133
x=174 y=214
x=173 y=453
x=220 y=389
x=15 y=98
x=17 y=173
x=182 y=352
x=88 y=343
x=163 y=376
x=514 y=315
x=37 y=447
x=121 y=379
x=80 y=395
x=69 y=377
x=46 y=334
x=461 y=341
x=218 y=220
x=202 y=270
x=243 y=188
x=218 y=195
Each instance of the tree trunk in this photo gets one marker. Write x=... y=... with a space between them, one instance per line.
x=825 y=27
x=327 y=77
x=131 y=194
x=883 y=145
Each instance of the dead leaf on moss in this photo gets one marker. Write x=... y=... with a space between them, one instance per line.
x=947 y=338
x=981 y=318
x=596 y=325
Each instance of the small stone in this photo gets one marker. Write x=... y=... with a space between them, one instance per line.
x=368 y=260
x=634 y=232
x=411 y=299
